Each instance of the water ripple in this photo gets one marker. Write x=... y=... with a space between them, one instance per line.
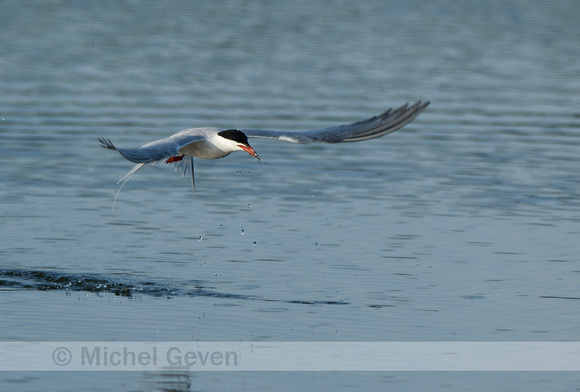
x=49 y=280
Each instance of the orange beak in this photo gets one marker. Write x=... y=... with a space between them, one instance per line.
x=249 y=150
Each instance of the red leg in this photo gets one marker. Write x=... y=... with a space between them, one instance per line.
x=175 y=159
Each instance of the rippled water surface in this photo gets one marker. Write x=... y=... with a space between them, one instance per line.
x=462 y=226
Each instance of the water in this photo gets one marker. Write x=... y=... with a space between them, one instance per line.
x=463 y=226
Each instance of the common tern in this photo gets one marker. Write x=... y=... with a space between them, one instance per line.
x=214 y=143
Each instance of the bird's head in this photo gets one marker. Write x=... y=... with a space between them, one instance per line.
x=240 y=141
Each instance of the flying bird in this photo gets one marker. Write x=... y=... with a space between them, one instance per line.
x=214 y=143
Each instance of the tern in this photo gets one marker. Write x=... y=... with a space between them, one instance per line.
x=214 y=143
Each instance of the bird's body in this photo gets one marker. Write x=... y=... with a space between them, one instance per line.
x=204 y=143
x=211 y=147
x=214 y=143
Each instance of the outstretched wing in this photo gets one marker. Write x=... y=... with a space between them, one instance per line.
x=371 y=128
x=156 y=151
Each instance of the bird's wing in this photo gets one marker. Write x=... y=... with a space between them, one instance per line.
x=371 y=128
x=156 y=151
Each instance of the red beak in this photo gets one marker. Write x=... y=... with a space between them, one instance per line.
x=249 y=150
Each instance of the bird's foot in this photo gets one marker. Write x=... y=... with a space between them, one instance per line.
x=175 y=159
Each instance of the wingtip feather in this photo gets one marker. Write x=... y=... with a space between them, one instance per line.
x=106 y=143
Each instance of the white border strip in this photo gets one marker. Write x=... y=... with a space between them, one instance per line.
x=290 y=356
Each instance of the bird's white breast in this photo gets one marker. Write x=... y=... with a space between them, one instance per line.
x=204 y=150
x=213 y=147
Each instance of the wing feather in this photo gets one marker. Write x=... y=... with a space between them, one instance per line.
x=156 y=151
x=371 y=128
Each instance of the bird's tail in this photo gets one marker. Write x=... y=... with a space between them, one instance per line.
x=126 y=178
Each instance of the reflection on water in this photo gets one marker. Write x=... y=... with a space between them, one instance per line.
x=168 y=382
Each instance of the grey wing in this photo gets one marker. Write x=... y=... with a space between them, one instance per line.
x=155 y=151
x=371 y=128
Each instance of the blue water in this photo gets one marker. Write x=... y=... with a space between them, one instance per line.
x=462 y=226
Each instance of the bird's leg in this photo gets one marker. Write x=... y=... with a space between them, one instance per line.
x=192 y=177
x=175 y=159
